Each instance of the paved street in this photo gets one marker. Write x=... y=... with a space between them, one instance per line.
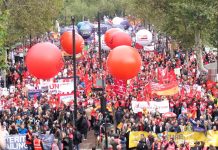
x=89 y=143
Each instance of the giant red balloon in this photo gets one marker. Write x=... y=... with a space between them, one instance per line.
x=120 y=38
x=67 y=42
x=44 y=60
x=124 y=62
x=108 y=36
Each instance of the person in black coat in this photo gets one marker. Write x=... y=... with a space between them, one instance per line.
x=82 y=126
x=119 y=115
x=175 y=128
x=96 y=127
x=161 y=128
x=77 y=138
x=142 y=144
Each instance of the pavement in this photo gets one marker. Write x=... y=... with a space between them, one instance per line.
x=89 y=143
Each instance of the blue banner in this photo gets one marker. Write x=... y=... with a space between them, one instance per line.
x=34 y=93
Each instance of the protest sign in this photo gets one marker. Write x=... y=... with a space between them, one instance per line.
x=66 y=99
x=59 y=88
x=139 y=106
x=47 y=140
x=16 y=142
x=210 y=138
x=34 y=93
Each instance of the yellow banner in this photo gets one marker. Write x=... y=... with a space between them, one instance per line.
x=210 y=137
x=168 y=92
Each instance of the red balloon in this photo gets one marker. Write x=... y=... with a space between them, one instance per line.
x=108 y=36
x=121 y=38
x=124 y=62
x=67 y=42
x=44 y=60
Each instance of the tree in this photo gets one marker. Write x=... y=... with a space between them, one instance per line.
x=3 y=34
x=186 y=21
x=31 y=17
x=82 y=9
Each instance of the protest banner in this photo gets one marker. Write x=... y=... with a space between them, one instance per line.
x=4 y=92
x=66 y=98
x=62 y=87
x=151 y=106
x=16 y=142
x=164 y=89
x=47 y=140
x=210 y=137
x=34 y=93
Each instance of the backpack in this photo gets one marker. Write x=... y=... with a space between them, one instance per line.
x=78 y=136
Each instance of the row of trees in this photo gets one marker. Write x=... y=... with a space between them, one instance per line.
x=192 y=23
x=22 y=19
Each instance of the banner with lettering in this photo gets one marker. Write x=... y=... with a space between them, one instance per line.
x=210 y=137
x=59 y=88
x=16 y=142
x=139 y=106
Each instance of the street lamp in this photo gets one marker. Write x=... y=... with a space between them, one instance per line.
x=102 y=97
x=74 y=68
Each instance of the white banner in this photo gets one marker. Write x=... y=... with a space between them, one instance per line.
x=59 y=88
x=139 y=106
x=16 y=142
x=66 y=98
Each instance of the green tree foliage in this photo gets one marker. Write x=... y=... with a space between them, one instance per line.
x=88 y=9
x=31 y=17
x=3 y=34
x=187 y=21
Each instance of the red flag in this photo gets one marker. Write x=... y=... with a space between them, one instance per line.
x=120 y=86
x=171 y=76
x=161 y=74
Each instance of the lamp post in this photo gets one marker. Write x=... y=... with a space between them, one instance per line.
x=103 y=100
x=74 y=68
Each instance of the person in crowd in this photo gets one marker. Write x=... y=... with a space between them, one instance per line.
x=142 y=145
x=22 y=129
x=29 y=140
x=54 y=145
x=82 y=125
x=156 y=145
x=171 y=145
x=77 y=139
x=37 y=143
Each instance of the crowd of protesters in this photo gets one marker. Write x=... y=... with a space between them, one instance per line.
x=195 y=110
